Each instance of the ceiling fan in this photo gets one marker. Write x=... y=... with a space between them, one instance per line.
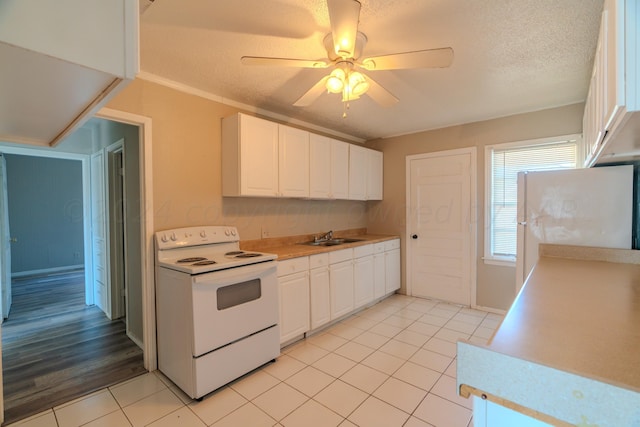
x=344 y=45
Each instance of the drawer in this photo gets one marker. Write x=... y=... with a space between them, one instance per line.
x=319 y=260
x=392 y=244
x=360 y=251
x=378 y=248
x=341 y=255
x=293 y=265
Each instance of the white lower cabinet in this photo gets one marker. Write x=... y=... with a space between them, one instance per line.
x=293 y=283
x=379 y=271
x=362 y=275
x=316 y=289
x=489 y=414
x=392 y=265
x=319 y=289
x=341 y=282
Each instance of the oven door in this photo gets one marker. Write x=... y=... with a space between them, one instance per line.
x=232 y=304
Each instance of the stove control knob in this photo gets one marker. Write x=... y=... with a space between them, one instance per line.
x=203 y=233
x=174 y=237
x=227 y=232
x=164 y=238
x=233 y=231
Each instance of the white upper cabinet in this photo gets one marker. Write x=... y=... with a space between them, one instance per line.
x=374 y=175
x=261 y=158
x=293 y=165
x=62 y=61
x=611 y=124
x=328 y=168
x=365 y=173
x=339 y=170
x=319 y=167
x=250 y=156
x=358 y=166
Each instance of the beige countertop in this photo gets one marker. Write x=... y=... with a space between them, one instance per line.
x=569 y=346
x=290 y=247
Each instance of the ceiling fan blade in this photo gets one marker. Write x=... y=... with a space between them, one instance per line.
x=344 y=16
x=380 y=94
x=429 y=58
x=284 y=62
x=312 y=94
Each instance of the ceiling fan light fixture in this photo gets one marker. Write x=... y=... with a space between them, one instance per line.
x=336 y=81
x=358 y=84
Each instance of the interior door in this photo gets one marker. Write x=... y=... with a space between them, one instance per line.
x=99 y=234
x=5 y=255
x=441 y=225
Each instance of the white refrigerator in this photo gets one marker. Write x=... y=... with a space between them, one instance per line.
x=583 y=207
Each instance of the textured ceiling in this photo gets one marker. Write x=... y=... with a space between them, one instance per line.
x=511 y=56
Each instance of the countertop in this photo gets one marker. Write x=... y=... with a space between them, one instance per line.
x=569 y=346
x=290 y=247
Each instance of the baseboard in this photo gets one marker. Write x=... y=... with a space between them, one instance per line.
x=136 y=340
x=44 y=271
x=490 y=310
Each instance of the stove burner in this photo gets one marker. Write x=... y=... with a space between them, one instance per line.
x=190 y=260
x=205 y=262
x=247 y=255
x=234 y=253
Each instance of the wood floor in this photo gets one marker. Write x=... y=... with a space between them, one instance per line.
x=55 y=348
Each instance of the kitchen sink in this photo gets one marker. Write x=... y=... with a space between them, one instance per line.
x=331 y=242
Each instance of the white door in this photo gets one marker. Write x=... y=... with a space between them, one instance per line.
x=441 y=225
x=99 y=234
x=5 y=254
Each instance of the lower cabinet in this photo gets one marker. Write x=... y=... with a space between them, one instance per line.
x=379 y=271
x=392 y=265
x=341 y=282
x=363 y=275
x=294 y=297
x=489 y=414
x=319 y=290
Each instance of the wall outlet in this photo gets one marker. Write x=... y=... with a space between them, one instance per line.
x=265 y=233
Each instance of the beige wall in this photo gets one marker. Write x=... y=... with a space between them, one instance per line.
x=495 y=284
x=187 y=175
x=187 y=189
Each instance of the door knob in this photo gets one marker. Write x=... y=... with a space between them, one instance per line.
x=414 y=236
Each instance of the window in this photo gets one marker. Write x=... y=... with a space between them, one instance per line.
x=503 y=162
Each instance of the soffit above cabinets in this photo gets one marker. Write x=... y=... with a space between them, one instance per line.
x=61 y=63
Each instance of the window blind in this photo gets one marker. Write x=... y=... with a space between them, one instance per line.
x=505 y=165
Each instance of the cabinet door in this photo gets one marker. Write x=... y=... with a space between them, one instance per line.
x=392 y=270
x=363 y=281
x=339 y=170
x=341 y=281
x=319 y=166
x=358 y=165
x=374 y=175
x=258 y=157
x=294 y=305
x=379 y=275
x=293 y=165
x=320 y=297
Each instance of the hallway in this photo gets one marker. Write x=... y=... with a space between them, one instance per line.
x=55 y=348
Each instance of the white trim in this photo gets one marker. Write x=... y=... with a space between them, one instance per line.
x=488 y=257
x=473 y=220
x=490 y=309
x=144 y=75
x=148 y=255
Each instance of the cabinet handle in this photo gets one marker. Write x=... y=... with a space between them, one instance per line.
x=414 y=236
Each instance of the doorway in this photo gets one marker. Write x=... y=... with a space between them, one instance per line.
x=140 y=232
x=441 y=225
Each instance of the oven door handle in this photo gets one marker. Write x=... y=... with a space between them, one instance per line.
x=235 y=275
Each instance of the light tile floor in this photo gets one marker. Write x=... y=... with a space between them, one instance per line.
x=393 y=364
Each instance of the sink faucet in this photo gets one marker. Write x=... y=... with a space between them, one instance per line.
x=327 y=236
